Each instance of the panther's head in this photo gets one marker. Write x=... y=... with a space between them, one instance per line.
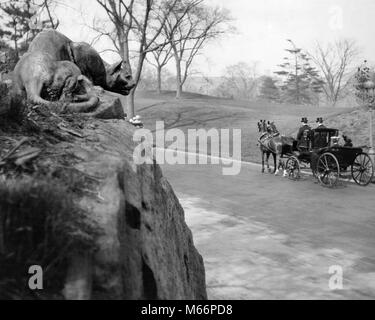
x=119 y=78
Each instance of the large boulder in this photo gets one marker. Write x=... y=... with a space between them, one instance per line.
x=145 y=249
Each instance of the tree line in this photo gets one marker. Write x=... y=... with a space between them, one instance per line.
x=20 y=21
x=159 y=32
x=139 y=30
x=325 y=74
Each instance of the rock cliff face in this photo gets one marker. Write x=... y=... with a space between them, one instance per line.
x=145 y=249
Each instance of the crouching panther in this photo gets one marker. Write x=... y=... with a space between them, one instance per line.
x=57 y=65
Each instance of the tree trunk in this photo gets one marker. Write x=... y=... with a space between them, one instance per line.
x=178 y=75
x=178 y=80
x=124 y=53
x=130 y=101
x=15 y=40
x=137 y=78
x=179 y=91
x=159 y=70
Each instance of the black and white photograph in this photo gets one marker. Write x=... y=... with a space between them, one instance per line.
x=197 y=151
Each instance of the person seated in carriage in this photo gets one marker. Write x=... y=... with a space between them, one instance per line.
x=348 y=142
x=320 y=124
x=303 y=136
x=320 y=139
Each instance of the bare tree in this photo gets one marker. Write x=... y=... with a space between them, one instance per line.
x=23 y=19
x=240 y=81
x=335 y=62
x=138 y=20
x=161 y=56
x=190 y=26
x=47 y=6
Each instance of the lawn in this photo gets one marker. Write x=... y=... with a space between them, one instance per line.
x=196 y=111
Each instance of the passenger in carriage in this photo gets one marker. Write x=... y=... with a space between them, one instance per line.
x=320 y=139
x=320 y=123
x=348 y=141
x=303 y=136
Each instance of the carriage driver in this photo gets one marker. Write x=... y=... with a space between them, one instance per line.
x=303 y=136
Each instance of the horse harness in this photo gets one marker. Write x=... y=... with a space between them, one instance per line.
x=266 y=138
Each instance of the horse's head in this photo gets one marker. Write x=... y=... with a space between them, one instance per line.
x=262 y=126
x=272 y=127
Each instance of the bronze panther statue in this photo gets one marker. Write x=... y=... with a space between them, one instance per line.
x=43 y=78
x=54 y=63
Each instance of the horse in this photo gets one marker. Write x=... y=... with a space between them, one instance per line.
x=271 y=142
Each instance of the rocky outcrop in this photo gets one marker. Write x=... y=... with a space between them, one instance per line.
x=145 y=249
x=109 y=106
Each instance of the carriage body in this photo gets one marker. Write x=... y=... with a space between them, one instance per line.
x=329 y=161
x=344 y=155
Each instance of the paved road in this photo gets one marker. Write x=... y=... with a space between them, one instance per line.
x=266 y=237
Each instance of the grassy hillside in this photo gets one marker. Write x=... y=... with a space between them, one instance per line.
x=354 y=124
x=195 y=111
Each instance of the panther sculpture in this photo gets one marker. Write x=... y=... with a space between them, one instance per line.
x=55 y=64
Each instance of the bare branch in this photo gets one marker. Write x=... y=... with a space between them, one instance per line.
x=335 y=62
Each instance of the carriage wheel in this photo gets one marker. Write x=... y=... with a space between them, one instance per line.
x=293 y=168
x=363 y=170
x=328 y=170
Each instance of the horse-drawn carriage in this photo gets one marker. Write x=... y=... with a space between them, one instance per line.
x=328 y=160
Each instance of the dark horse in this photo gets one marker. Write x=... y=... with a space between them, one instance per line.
x=272 y=142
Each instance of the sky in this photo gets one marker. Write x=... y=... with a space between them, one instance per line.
x=262 y=27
